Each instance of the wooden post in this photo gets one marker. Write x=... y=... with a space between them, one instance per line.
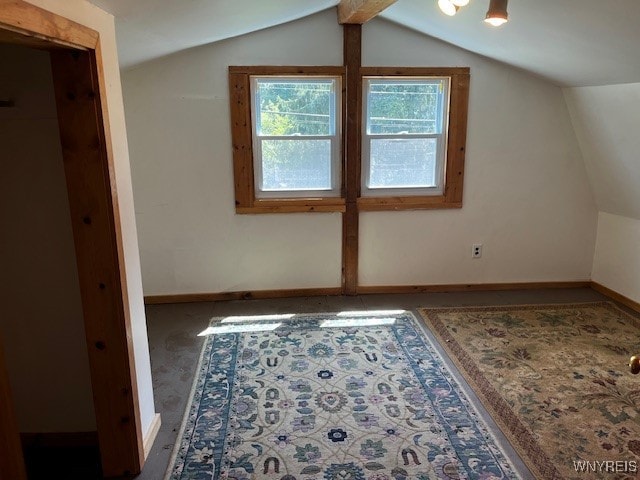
x=353 y=103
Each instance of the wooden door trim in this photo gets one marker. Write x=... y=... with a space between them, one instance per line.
x=79 y=86
x=34 y=22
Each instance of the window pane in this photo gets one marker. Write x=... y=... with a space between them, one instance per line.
x=294 y=107
x=398 y=163
x=296 y=165
x=404 y=107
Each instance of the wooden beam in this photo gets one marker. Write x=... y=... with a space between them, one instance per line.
x=88 y=163
x=11 y=458
x=360 y=11
x=352 y=146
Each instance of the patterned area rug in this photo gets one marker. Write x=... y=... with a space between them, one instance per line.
x=330 y=397
x=555 y=378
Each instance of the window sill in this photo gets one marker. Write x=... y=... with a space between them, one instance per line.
x=380 y=204
x=293 y=205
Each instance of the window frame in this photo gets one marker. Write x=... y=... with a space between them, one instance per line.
x=246 y=201
x=455 y=132
x=441 y=138
x=242 y=133
x=334 y=137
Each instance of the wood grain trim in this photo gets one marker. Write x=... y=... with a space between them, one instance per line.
x=618 y=297
x=469 y=287
x=294 y=205
x=290 y=209
x=333 y=71
x=331 y=201
x=240 y=95
x=457 y=138
x=88 y=162
x=414 y=71
x=362 y=290
x=352 y=54
x=378 y=204
x=361 y=11
x=125 y=333
x=27 y=19
x=11 y=459
x=245 y=295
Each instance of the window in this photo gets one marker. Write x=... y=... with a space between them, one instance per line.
x=287 y=138
x=413 y=137
x=288 y=143
x=404 y=135
x=296 y=141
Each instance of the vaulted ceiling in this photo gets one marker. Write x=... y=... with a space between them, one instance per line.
x=570 y=42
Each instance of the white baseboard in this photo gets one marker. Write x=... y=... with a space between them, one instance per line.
x=151 y=435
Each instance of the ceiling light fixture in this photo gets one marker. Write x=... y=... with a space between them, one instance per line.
x=448 y=7
x=497 y=14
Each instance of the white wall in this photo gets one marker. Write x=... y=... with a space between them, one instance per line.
x=527 y=198
x=87 y=14
x=526 y=194
x=191 y=240
x=616 y=263
x=41 y=319
x=606 y=120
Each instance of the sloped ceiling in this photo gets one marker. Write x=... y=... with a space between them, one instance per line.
x=606 y=120
x=148 y=29
x=570 y=42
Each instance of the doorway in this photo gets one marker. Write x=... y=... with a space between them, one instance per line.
x=79 y=86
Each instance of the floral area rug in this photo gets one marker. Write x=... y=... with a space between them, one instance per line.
x=555 y=378
x=330 y=397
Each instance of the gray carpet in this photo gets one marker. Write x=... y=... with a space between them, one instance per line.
x=175 y=347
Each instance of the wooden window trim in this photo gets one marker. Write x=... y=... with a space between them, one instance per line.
x=245 y=198
x=456 y=142
x=240 y=101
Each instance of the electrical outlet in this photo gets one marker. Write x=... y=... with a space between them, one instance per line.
x=476 y=250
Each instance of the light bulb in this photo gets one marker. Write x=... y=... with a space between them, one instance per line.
x=495 y=21
x=447 y=7
x=460 y=3
x=497 y=14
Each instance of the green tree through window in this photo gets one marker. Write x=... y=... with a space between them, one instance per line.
x=295 y=123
